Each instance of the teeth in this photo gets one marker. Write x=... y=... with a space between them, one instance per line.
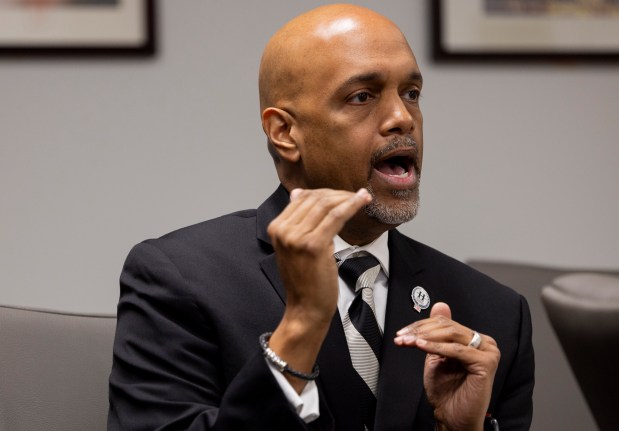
x=402 y=175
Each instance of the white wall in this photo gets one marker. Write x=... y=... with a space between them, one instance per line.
x=96 y=155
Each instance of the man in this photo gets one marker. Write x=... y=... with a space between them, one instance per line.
x=339 y=95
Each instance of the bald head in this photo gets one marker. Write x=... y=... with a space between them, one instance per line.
x=295 y=54
x=339 y=95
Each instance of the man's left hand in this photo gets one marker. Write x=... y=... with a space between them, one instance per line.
x=457 y=377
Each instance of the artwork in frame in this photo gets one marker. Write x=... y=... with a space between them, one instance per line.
x=77 y=28
x=538 y=30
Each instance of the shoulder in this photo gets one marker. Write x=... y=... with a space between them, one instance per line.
x=436 y=261
x=214 y=231
x=463 y=286
x=209 y=244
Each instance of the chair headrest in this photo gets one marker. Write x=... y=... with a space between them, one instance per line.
x=589 y=286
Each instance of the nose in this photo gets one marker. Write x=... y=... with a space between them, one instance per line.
x=397 y=119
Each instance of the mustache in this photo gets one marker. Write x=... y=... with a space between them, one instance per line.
x=396 y=143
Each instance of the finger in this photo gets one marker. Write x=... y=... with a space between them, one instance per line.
x=314 y=217
x=321 y=206
x=427 y=325
x=439 y=329
x=303 y=203
x=448 y=334
x=443 y=330
x=433 y=331
x=337 y=217
x=294 y=194
x=466 y=355
x=440 y=309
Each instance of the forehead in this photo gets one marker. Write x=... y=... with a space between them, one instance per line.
x=358 y=51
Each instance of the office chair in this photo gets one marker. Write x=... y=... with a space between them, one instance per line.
x=54 y=369
x=584 y=311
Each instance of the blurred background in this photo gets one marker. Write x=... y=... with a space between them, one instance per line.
x=521 y=159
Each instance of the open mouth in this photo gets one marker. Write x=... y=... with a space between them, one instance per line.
x=397 y=166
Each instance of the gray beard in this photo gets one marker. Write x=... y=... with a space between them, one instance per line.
x=408 y=200
x=398 y=213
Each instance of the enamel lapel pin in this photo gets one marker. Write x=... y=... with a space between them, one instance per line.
x=421 y=299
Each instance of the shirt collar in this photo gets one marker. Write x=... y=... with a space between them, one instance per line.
x=379 y=248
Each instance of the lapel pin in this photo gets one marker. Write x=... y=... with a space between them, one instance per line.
x=421 y=299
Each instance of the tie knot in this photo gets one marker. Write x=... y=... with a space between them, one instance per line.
x=360 y=271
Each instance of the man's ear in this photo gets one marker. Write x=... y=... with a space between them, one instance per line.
x=277 y=125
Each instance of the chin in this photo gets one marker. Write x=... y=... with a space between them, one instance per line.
x=401 y=207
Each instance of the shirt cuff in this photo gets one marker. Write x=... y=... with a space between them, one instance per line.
x=305 y=403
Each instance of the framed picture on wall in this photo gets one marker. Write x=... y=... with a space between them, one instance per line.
x=573 y=30
x=77 y=27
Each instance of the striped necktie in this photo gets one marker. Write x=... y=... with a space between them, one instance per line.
x=363 y=334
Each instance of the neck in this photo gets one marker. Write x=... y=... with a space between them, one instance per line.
x=362 y=230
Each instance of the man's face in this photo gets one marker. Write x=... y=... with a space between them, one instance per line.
x=358 y=120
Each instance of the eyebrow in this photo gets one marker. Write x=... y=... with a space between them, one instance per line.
x=416 y=76
x=361 y=78
x=376 y=76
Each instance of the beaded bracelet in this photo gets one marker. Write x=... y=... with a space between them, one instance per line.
x=282 y=365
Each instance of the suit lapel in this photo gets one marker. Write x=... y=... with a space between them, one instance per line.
x=270 y=209
x=266 y=212
x=401 y=374
x=269 y=268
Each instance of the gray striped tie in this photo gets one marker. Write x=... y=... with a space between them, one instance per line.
x=363 y=334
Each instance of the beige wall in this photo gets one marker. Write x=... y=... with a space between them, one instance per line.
x=95 y=155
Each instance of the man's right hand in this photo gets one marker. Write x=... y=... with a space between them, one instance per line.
x=302 y=236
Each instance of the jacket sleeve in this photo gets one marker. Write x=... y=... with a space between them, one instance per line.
x=514 y=405
x=167 y=368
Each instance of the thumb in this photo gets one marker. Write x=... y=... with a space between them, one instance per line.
x=440 y=309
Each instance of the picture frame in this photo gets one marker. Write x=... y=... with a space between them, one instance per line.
x=488 y=30
x=77 y=28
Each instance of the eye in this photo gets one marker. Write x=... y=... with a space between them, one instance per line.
x=360 y=97
x=412 y=95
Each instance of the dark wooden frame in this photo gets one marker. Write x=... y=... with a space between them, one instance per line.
x=146 y=49
x=441 y=54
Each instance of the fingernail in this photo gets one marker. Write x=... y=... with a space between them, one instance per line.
x=362 y=193
x=403 y=339
x=403 y=331
x=294 y=194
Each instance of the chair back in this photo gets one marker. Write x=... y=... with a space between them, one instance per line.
x=54 y=370
x=584 y=311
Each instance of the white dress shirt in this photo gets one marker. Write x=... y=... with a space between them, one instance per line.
x=306 y=403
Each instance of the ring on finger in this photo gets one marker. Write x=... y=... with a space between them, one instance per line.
x=475 y=341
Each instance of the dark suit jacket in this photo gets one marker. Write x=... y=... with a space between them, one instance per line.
x=194 y=302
